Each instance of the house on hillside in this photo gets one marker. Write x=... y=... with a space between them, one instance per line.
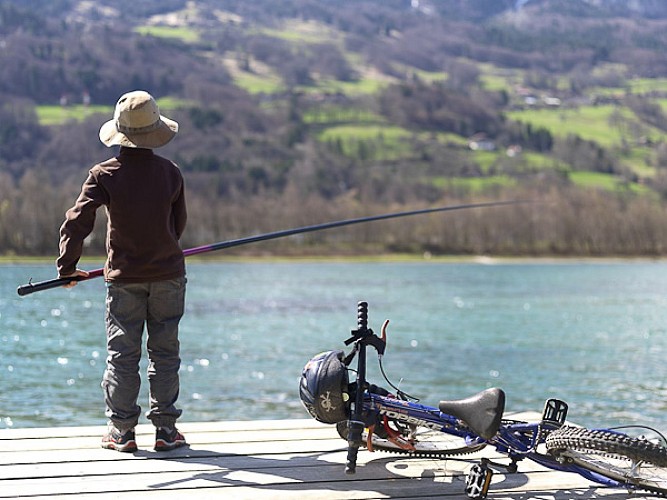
x=480 y=142
x=553 y=102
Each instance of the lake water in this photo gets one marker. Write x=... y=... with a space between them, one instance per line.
x=592 y=334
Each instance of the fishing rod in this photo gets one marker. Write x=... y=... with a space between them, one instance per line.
x=31 y=287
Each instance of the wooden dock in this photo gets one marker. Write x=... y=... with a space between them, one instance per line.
x=270 y=459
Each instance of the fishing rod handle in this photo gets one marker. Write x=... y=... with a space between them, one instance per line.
x=31 y=287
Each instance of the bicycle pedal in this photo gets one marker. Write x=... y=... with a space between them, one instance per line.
x=555 y=411
x=478 y=481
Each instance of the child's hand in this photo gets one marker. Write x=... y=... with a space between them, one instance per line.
x=79 y=272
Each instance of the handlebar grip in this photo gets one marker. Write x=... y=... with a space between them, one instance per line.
x=362 y=315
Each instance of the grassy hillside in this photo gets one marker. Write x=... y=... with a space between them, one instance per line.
x=361 y=133
x=349 y=106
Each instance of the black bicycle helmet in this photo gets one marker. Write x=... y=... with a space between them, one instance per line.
x=324 y=387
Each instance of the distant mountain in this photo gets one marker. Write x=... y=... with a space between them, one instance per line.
x=56 y=48
x=470 y=10
x=337 y=102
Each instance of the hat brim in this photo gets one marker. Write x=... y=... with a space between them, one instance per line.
x=165 y=132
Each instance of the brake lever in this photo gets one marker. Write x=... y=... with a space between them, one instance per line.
x=383 y=331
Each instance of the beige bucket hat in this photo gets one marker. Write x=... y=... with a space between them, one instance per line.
x=137 y=123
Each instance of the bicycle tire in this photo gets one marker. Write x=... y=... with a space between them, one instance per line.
x=630 y=461
x=427 y=442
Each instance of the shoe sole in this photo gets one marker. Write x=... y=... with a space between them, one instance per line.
x=161 y=445
x=128 y=447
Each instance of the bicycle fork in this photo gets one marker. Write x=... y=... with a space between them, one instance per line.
x=363 y=336
x=356 y=424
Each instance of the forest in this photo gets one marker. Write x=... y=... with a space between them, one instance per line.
x=298 y=112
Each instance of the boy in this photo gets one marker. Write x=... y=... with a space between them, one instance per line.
x=143 y=195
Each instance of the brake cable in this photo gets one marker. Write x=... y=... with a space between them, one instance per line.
x=399 y=393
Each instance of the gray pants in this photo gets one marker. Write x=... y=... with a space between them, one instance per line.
x=159 y=306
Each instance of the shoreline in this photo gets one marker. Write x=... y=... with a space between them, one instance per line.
x=398 y=258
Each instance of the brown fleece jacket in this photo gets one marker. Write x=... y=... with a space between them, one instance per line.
x=143 y=194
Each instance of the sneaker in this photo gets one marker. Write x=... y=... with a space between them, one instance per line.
x=168 y=438
x=119 y=441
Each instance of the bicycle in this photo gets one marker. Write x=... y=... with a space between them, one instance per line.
x=370 y=416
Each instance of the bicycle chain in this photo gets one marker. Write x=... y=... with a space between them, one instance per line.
x=423 y=454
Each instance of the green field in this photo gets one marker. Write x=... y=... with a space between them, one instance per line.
x=57 y=114
x=606 y=182
x=602 y=124
x=614 y=127
x=258 y=84
x=340 y=114
x=646 y=85
x=357 y=87
x=183 y=34
x=271 y=83
x=475 y=184
x=376 y=142
x=608 y=125
x=587 y=180
x=494 y=83
x=304 y=32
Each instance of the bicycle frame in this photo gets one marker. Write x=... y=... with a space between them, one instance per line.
x=517 y=440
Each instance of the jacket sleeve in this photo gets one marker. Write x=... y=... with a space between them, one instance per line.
x=79 y=223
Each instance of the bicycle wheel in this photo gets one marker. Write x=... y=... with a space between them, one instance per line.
x=417 y=440
x=628 y=460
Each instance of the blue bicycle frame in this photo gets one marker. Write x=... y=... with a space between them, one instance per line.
x=517 y=440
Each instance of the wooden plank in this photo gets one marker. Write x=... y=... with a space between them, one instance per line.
x=147 y=440
x=227 y=426
x=384 y=476
x=252 y=460
x=196 y=432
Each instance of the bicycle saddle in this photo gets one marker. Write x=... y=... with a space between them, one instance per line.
x=482 y=412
